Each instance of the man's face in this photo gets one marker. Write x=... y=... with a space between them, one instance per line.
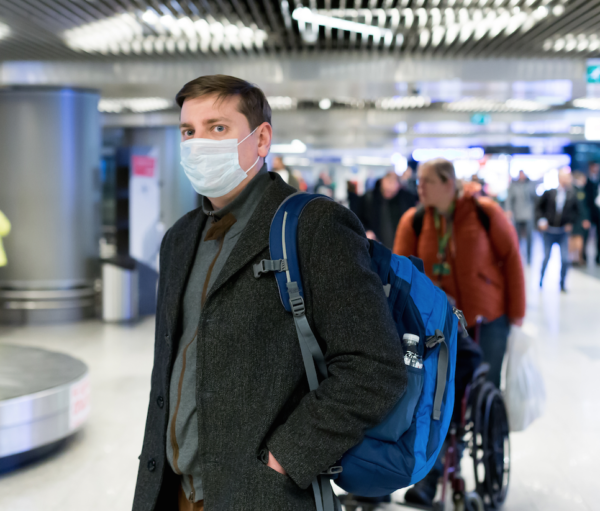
x=209 y=117
x=564 y=179
x=522 y=176
x=278 y=163
x=390 y=185
x=594 y=170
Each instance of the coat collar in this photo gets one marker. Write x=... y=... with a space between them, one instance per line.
x=185 y=243
x=255 y=237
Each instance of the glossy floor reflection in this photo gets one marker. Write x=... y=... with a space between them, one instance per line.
x=554 y=462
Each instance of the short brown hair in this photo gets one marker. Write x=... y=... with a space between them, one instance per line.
x=253 y=103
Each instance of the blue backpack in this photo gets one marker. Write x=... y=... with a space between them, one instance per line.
x=403 y=448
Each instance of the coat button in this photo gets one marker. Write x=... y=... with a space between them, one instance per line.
x=160 y=401
x=151 y=465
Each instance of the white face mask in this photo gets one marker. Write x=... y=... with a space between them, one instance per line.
x=213 y=166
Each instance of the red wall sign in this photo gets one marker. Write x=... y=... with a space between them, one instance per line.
x=143 y=165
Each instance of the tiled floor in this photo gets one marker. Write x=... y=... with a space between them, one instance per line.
x=554 y=462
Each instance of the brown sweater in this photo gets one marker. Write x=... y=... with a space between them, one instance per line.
x=486 y=277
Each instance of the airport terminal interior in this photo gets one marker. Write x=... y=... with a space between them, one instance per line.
x=374 y=103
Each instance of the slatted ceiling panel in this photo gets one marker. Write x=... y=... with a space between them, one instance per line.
x=532 y=40
x=421 y=27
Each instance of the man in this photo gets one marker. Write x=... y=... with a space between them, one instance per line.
x=470 y=250
x=380 y=209
x=231 y=424
x=520 y=206
x=286 y=174
x=556 y=212
x=592 y=189
x=582 y=224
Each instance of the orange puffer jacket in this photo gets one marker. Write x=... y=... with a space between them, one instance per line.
x=486 y=277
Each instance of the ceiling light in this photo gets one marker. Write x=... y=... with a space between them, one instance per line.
x=325 y=104
x=4 y=30
x=588 y=103
x=295 y=147
x=592 y=128
x=282 y=102
x=137 y=105
x=305 y=15
x=473 y=153
x=130 y=32
x=403 y=102
x=557 y=10
x=490 y=105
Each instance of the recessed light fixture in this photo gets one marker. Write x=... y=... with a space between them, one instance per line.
x=137 y=105
x=4 y=30
x=150 y=33
x=325 y=104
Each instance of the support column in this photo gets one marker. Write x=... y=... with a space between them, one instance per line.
x=49 y=190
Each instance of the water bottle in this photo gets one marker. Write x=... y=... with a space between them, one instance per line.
x=411 y=352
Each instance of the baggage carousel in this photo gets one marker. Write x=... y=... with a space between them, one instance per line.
x=44 y=399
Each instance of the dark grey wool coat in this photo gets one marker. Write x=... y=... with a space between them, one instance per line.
x=251 y=388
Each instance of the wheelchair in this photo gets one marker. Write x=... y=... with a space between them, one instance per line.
x=484 y=432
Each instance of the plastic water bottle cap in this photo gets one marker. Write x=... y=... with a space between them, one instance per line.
x=411 y=338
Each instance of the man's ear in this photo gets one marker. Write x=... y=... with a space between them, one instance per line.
x=265 y=135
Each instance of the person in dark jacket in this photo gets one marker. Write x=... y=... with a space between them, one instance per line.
x=592 y=190
x=231 y=424
x=520 y=205
x=556 y=212
x=381 y=209
x=582 y=224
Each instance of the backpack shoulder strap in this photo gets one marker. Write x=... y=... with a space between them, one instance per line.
x=483 y=217
x=418 y=220
x=284 y=262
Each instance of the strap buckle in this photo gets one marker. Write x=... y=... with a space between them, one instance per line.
x=435 y=339
x=461 y=317
x=269 y=265
x=297 y=304
x=333 y=470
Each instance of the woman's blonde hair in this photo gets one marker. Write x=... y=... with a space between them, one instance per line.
x=443 y=168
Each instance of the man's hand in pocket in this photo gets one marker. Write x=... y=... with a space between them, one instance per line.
x=274 y=464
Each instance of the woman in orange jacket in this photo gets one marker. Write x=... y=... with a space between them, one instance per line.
x=470 y=250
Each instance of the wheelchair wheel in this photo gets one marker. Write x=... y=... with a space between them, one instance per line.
x=491 y=446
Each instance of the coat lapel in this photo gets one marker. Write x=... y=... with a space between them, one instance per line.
x=255 y=237
x=185 y=242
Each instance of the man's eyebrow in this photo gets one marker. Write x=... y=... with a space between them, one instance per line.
x=185 y=125
x=216 y=120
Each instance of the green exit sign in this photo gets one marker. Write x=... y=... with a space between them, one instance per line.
x=593 y=74
x=480 y=119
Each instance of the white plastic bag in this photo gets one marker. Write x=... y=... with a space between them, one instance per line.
x=525 y=393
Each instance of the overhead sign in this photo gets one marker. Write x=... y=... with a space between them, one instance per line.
x=143 y=165
x=593 y=71
x=481 y=119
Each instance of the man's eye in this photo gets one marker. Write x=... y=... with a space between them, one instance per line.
x=188 y=133
x=219 y=129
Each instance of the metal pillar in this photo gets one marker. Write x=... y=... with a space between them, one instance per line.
x=49 y=190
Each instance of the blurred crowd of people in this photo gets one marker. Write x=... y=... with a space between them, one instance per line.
x=470 y=245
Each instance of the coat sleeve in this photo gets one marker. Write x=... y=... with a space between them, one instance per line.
x=405 y=242
x=349 y=315
x=505 y=244
x=540 y=207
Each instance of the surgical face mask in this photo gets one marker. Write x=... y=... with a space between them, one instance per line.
x=213 y=166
